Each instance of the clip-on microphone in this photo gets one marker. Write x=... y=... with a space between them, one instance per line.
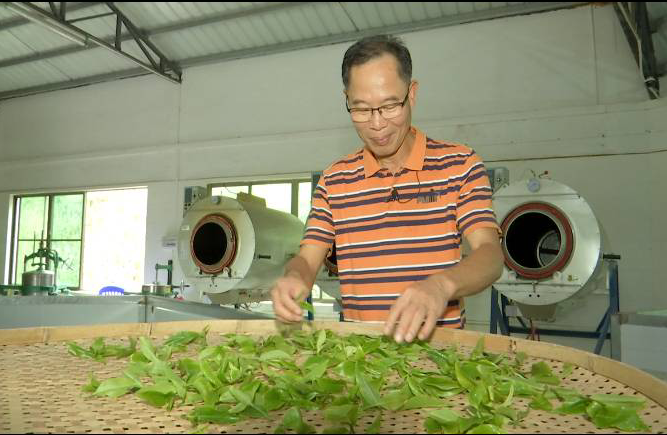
x=394 y=195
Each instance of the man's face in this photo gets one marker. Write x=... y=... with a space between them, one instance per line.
x=377 y=83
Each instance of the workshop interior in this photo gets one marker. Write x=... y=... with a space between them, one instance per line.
x=158 y=160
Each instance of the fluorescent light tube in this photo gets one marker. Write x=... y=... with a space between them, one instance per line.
x=27 y=12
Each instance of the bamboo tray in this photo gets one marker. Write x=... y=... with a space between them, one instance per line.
x=40 y=383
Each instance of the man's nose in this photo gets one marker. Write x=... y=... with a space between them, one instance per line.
x=377 y=121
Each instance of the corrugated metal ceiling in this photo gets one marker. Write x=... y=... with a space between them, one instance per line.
x=35 y=59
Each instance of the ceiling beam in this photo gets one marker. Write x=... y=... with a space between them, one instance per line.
x=155 y=61
x=432 y=23
x=16 y=22
x=197 y=22
x=504 y=12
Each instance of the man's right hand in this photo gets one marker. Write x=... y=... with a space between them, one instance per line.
x=292 y=288
x=286 y=295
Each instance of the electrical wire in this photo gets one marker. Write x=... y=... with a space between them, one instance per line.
x=415 y=196
x=640 y=53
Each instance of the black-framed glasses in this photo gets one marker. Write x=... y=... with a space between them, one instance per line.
x=388 y=111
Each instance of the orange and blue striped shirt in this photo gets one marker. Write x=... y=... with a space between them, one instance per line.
x=394 y=229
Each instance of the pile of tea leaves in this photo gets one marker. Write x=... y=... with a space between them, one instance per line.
x=345 y=378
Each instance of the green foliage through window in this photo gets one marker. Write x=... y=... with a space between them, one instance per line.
x=57 y=219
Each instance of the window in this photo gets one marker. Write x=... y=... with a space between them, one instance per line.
x=289 y=196
x=115 y=242
x=90 y=231
x=53 y=221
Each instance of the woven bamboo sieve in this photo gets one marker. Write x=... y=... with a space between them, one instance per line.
x=40 y=383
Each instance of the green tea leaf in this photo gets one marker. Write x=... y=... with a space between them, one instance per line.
x=444 y=421
x=478 y=352
x=212 y=414
x=293 y=421
x=315 y=367
x=307 y=306
x=565 y=394
x=182 y=338
x=418 y=402
x=368 y=393
x=342 y=414
x=374 y=428
x=157 y=395
x=542 y=373
x=541 y=403
x=463 y=380
x=321 y=339
x=394 y=400
x=631 y=402
x=478 y=395
x=246 y=400
x=445 y=416
x=485 y=429
x=115 y=387
x=274 y=355
x=92 y=385
x=574 y=406
x=330 y=386
x=568 y=368
x=615 y=416
x=520 y=358
x=441 y=383
x=147 y=350
x=201 y=429
x=273 y=399
x=509 y=396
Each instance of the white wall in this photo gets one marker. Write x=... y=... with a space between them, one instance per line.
x=559 y=84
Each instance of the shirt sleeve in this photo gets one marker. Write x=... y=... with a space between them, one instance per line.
x=474 y=208
x=319 y=226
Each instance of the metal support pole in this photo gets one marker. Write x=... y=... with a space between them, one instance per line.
x=614 y=305
x=309 y=299
x=498 y=318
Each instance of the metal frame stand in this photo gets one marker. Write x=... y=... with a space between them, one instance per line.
x=500 y=320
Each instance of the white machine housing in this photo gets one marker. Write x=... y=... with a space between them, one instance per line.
x=553 y=245
x=234 y=249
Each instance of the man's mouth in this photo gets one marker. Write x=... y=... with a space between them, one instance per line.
x=384 y=140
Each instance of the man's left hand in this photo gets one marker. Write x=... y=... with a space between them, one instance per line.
x=416 y=311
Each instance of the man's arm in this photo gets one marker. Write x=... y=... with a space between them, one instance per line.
x=296 y=283
x=478 y=270
x=416 y=312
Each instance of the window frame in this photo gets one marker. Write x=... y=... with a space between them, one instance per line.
x=16 y=222
x=293 y=181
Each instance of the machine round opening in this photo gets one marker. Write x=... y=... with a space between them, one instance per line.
x=533 y=240
x=213 y=244
x=210 y=244
x=538 y=240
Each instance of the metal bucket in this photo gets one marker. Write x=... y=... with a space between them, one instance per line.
x=156 y=289
x=38 y=278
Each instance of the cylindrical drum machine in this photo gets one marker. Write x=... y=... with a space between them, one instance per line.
x=553 y=246
x=233 y=250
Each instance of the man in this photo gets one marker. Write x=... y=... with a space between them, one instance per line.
x=397 y=211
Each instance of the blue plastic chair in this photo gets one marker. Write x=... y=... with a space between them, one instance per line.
x=111 y=291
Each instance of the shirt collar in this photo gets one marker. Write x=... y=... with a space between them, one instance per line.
x=415 y=160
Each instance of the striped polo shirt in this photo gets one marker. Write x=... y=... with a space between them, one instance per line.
x=394 y=229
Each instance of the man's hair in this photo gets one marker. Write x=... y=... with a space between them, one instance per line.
x=372 y=47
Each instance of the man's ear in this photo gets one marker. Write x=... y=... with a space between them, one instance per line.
x=413 y=92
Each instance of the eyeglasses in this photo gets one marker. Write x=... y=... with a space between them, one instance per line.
x=388 y=111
